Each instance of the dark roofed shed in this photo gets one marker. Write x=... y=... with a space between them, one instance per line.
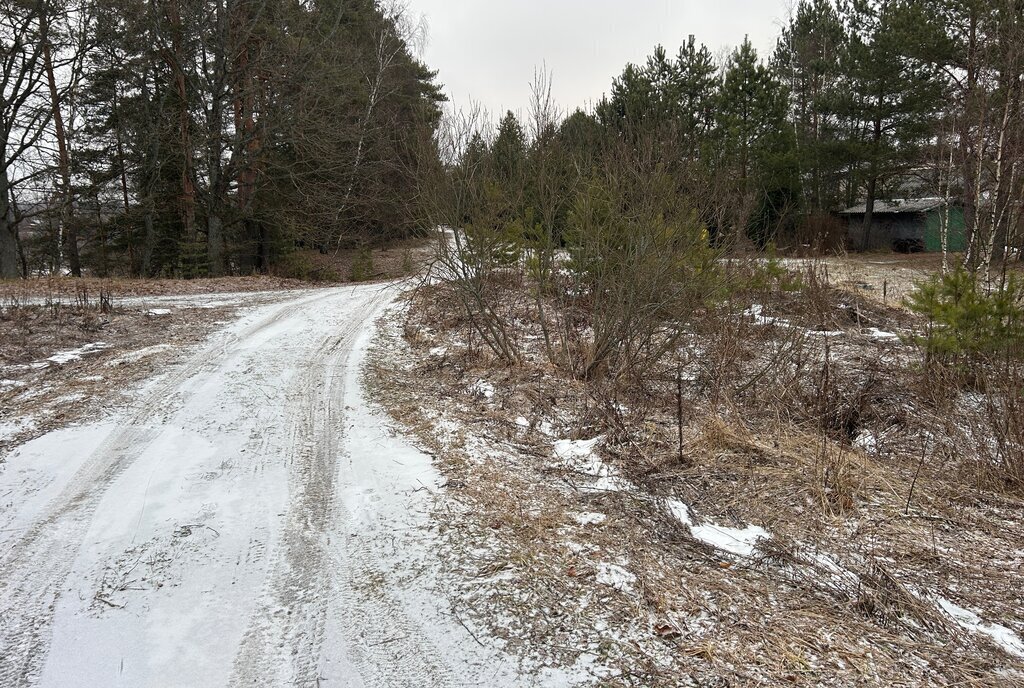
x=907 y=225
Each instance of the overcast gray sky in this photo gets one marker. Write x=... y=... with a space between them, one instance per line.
x=486 y=50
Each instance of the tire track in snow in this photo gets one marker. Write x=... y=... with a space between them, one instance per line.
x=284 y=643
x=34 y=568
x=324 y=568
x=314 y=577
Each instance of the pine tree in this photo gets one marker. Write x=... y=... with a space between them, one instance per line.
x=807 y=59
x=756 y=144
x=582 y=137
x=630 y=107
x=697 y=94
x=221 y=135
x=893 y=97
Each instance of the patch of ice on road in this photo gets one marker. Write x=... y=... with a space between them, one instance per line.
x=482 y=388
x=738 y=541
x=590 y=518
x=1003 y=636
x=614 y=576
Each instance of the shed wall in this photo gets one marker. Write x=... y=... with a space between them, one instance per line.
x=955 y=240
x=888 y=228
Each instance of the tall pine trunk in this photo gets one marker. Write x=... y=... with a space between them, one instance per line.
x=68 y=228
x=869 y=212
x=248 y=144
x=187 y=199
x=9 y=268
x=872 y=190
x=217 y=183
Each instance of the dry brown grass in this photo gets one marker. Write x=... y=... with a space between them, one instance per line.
x=71 y=289
x=882 y=277
x=865 y=532
x=396 y=260
x=37 y=394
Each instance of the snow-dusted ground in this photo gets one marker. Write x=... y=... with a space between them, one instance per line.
x=248 y=521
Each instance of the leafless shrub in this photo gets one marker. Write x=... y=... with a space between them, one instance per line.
x=638 y=271
x=474 y=251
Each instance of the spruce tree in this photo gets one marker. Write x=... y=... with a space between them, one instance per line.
x=508 y=152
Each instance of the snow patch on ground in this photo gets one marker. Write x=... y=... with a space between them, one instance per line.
x=482 y=388
x=970 y=621
x=139 y=354
x=875 y=333
x=612 y=483
x=756 y=313
x=579 y=456
x=64 y=357
x=158 y=311
x=9 y=429
x=739 y=541
x=867 y=441
x=580 y=453
x=590 y=518
x=614 y=576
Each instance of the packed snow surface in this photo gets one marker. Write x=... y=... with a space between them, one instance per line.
x=250 y=520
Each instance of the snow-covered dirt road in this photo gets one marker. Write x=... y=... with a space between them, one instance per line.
x=250 y=521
